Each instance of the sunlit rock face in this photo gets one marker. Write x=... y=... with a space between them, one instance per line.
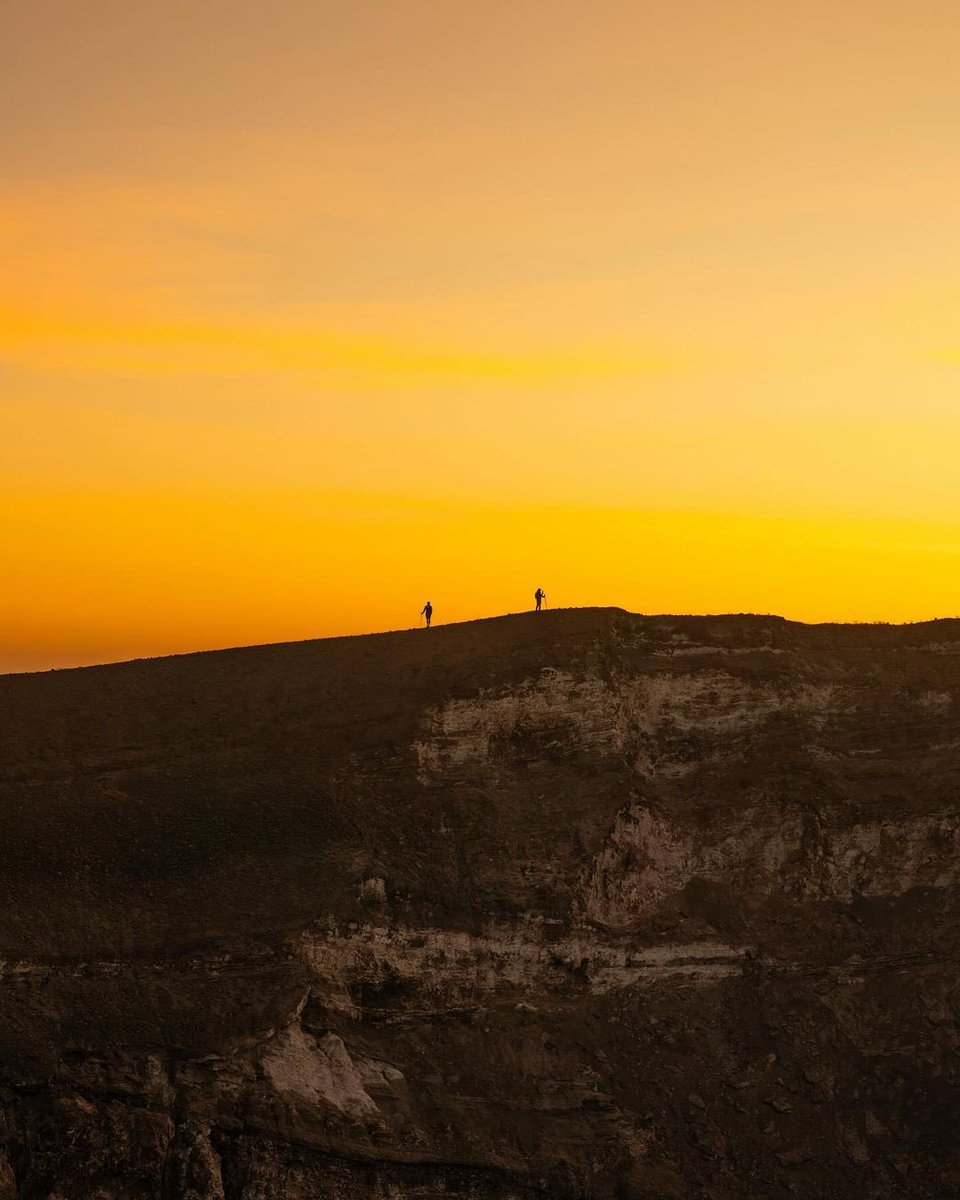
x=563 y=905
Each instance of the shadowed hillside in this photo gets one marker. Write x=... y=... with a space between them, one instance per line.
x=577 y=904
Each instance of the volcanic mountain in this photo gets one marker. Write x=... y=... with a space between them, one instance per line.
x=577 y=905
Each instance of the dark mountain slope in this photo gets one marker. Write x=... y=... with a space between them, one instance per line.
x=577 y=904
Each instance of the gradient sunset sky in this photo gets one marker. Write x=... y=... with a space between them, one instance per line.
x=314 y=311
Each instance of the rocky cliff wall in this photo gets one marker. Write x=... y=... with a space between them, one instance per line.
x=578 y=904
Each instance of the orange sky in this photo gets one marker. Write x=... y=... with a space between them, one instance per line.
x=313 y=311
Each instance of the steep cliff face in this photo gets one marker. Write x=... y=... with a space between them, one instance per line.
x=578 y=904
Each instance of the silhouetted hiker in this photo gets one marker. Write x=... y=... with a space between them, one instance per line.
x=539 y=595
x=427 y=611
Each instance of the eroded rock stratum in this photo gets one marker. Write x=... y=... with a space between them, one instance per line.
x=557 y=906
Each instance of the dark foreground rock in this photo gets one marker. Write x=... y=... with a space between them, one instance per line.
x=577 y=905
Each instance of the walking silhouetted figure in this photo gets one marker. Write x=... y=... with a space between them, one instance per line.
x=539 y=595
x=427 y=611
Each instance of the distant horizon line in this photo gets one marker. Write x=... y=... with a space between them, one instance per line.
x=531 y=613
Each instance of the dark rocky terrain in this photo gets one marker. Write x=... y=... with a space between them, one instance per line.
x=577 y=905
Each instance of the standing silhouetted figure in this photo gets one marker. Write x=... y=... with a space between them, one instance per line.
x=427 y=611
x=539 y=595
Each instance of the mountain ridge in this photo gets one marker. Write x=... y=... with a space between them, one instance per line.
x=545 y=615
x=572 y=904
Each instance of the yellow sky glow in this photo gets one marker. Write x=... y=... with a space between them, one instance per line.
x=314 y=311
